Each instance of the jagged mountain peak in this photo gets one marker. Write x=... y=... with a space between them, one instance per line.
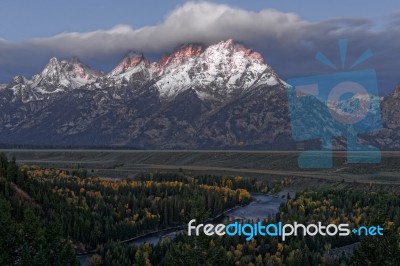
x=203 y=96
x=217 y=96
x=130 y=61
x=18 y=80
x=226 y=44
x=51 y=72
x=230 y=48
x=57 y=76
x=224 y=53
x=82 y=71
x=53 y=61
x=181 y=54
x=217 y=71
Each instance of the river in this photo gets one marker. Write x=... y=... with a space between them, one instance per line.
x=260 y=208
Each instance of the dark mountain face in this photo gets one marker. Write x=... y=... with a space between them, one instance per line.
x=389 y=136
x=220 y=96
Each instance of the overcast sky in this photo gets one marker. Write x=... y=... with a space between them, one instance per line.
x=288 y=33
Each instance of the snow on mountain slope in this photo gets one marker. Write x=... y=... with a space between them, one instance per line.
x=174 y=71
x=57 y=76
x=132 y=65
x=219 y=70
x=217 y=96
x=64 y=74
x=214 y=72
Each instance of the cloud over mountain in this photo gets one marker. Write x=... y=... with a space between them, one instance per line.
x=193 y=22
x=287 y=41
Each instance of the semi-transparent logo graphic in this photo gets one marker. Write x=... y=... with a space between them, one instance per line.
x=341 y=104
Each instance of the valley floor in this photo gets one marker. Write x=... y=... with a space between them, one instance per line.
x=273 y=165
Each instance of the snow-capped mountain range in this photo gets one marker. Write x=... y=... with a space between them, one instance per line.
x=218 y=96
x=227 y=67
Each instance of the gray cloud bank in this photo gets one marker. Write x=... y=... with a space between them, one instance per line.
x=287 y=42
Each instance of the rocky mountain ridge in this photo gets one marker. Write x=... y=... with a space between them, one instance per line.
x=217 y=96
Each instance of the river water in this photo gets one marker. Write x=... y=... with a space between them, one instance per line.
x=262 y=207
